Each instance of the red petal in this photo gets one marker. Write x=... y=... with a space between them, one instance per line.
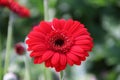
x=82 y=31
x=33 y=42
x=58 y=69
x=47 y=55
x=36 y=28
x=78 y=53
x=83 y=42
x=45 y=27
x=81 y=55
x=35 y=34
x=56 y=24
x=77 y=49
x=48 y=63
x=55 y=58
x=70 y=62
x=83 y=58
x=62 y=22
x=73 y=57
x=86 y=54
x=39 y=47
x=74 y=27
x=63 y=59
x=68 y=24
x=86 y=47
x=36 y=54
x=83 y=37
x=78 y=63
x=38 y=60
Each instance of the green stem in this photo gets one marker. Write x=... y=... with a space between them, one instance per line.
x=61 y=75
x=9 y=41
x=27 y=68
x=46 y=15
x=49 y=75
x=45 y=73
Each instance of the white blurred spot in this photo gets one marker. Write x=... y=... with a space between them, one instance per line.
x=10 y=76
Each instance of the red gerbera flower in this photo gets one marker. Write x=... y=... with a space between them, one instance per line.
x=59 y=43
x=16 y=8
x=4 y=2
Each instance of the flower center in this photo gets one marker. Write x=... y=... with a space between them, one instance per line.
x=59 y=42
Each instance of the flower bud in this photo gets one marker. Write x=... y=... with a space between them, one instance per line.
x=20 y=48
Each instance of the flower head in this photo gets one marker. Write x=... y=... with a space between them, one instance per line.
x=59 y=43
x=20 y=48
x=16 y=8
x=4 y=2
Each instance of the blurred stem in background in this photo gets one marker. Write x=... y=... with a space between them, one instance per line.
x=47 y=73
x=27 y=68
x=79 y=72
x=1 y=70
x=46 y=14
x=9 y=41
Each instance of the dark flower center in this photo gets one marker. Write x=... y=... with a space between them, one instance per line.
x=59 y=42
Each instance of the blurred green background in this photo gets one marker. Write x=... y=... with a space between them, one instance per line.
x=101 y=17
